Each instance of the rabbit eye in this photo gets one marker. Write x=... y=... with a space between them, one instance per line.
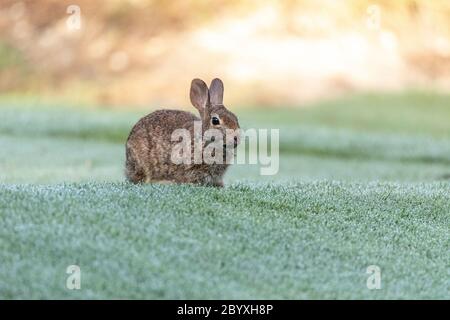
x=215 y=121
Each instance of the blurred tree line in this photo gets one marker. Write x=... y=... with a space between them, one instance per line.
x=131 y=51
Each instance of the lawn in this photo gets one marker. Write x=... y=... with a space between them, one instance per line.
x=363 y=181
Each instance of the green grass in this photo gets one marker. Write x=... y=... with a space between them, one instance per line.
x=362 y=181
x=10 y=57
x=300 y=240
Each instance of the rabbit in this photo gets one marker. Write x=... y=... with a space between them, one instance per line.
x=149 y=146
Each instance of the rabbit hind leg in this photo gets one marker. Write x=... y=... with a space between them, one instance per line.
x=133 y=171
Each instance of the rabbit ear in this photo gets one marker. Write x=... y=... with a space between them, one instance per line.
x=199 y=94
x=216 y=92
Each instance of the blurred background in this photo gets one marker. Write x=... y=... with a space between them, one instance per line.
x=360 y=90
x=268 y=52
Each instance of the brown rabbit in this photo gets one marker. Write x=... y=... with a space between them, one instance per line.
x=149 y=146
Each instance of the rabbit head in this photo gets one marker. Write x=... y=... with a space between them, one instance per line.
x=216 y=118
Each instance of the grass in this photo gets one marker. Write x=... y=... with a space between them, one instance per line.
x=354 y=189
